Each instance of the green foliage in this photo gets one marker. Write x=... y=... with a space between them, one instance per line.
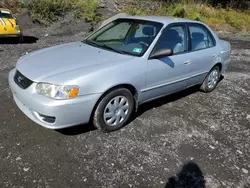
x=238 y=4
x=13 y=4
x=49 y=10
x=133 y=10
x=216 y=17
x=86 y=9
x=240 y=21
x=177 y=11
x=216 y=14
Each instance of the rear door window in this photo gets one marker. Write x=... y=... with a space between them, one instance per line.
x=174 y=38
x=201 y=38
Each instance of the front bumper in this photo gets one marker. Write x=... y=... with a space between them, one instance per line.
x=67 y=113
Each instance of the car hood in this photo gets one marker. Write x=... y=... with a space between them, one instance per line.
x=59 y=59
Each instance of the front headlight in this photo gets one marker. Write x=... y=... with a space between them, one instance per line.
x=57 y=91
x=17 y=28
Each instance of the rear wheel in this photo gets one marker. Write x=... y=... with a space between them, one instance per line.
x=114 y=110
x=212 y=79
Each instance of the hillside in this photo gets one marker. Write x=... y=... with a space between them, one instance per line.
x=233 y=16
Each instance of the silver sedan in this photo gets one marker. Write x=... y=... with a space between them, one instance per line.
x=104 y=78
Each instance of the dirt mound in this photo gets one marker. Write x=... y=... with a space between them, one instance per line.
x=67 y=25
x=26 y=22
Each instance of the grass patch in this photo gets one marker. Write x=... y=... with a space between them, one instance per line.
x=87 y=9
x=218 y=18
x=13 y=4
x=47 y=10
x=133 y=10
x=50 y=10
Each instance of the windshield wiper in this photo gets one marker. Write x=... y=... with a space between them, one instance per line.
x=91 y=43
x=105 y=46
x=113 y=49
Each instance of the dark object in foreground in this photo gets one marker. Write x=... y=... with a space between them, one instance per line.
x=190 y=176
x=16 y=40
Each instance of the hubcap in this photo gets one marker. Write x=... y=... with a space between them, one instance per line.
x=116 y=111
x=213 y=79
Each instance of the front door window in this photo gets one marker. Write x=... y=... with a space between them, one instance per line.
x=174 y=38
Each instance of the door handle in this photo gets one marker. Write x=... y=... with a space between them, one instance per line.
x=186 y=62
x=215 y=55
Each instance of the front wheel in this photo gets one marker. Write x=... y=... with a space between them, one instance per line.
x=114 y=110
x=212 y=79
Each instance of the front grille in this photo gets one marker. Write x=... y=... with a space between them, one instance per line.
x=22 y=81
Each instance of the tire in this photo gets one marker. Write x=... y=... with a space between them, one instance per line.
x=114 y=110
x=212 y=80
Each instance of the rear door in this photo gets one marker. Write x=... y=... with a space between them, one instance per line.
x=203 y=53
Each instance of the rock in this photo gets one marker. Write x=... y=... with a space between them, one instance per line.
x=238 y=151
x=112 y=6
x=245 y=171
x=212 y=147
x=248 y=117
x=25 y=21
x=18 y=158
x=102 y=3
x=26 y=169
x=236 y=167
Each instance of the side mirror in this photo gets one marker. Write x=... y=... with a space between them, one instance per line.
x=161 y=53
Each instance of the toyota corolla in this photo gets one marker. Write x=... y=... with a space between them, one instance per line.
x=104 y=78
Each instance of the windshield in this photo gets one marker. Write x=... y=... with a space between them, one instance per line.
x=5 y=14
x=126 y=36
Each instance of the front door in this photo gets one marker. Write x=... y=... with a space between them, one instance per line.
x=169 y=74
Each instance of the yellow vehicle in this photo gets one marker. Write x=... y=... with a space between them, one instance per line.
x=8 y=25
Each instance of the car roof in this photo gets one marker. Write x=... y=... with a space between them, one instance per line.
x=161 y=19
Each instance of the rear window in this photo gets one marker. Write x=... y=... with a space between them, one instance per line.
x=5 y=14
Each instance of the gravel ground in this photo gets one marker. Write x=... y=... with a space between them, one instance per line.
x=210 y=132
